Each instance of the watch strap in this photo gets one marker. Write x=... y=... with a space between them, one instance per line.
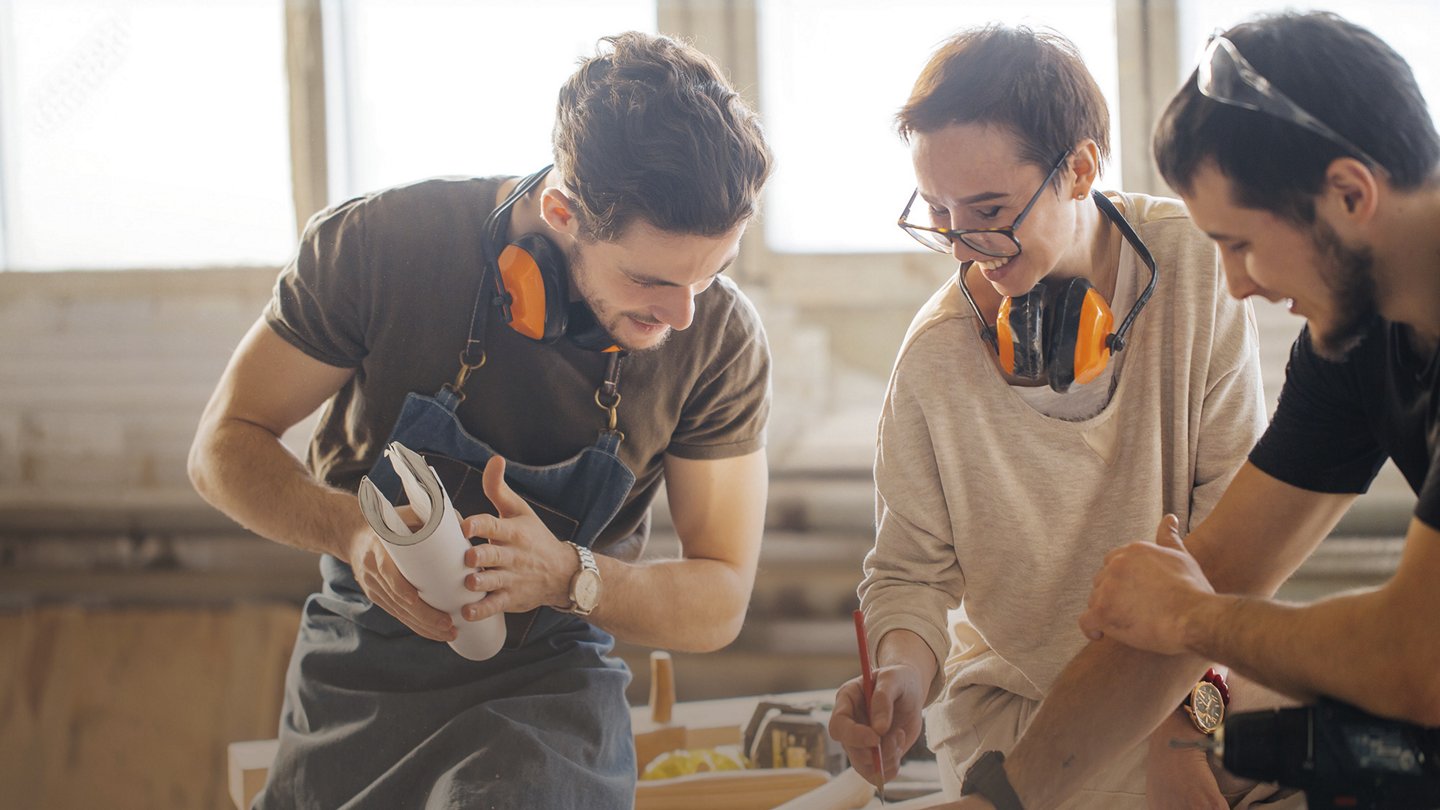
x=987 y=777
x=587 y=563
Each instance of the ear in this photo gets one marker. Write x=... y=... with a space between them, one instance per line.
x=559 y=212
x=1084 y=168
x=1351 y=194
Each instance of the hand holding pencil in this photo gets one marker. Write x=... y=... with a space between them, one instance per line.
x=876 y=719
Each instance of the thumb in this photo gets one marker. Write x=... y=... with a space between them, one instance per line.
x=1168 y=534
x=507 y=503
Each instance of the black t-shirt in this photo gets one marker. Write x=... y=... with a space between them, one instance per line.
x=1337 y=422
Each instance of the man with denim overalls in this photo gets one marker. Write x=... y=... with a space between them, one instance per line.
x=400 y=315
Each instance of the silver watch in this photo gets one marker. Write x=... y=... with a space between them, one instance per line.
x=585 y=587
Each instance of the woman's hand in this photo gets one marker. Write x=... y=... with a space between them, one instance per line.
x=893 y=722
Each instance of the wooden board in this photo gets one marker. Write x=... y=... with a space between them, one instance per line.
x=729 y=790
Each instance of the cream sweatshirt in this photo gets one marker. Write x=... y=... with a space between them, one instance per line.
x=986 y=503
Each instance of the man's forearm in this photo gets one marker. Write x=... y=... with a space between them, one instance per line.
x=244 y=471
x=689 y=605
x=1358 y=647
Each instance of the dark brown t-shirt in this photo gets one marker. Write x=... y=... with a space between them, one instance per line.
x=385 y=284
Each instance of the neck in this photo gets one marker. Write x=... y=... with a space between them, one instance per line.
x=1407 y=259
x=1095 y=253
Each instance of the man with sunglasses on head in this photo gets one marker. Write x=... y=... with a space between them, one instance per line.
x=1306 y=151
x=1303 y=147
x=555 y=346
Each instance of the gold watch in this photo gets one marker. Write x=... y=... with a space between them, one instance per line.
x=1207 y=701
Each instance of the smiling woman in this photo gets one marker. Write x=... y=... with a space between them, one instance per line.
x=1013 y=418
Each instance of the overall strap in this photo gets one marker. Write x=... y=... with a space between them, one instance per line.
x=607 y=396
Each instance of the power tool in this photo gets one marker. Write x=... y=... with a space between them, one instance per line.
x=1338 y=755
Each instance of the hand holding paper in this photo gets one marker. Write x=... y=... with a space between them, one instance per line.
x=433 y=556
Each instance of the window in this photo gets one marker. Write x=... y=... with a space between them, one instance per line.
x=833 y=75
x=433 y=87
x=143 y=133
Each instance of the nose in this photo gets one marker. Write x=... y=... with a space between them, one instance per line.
x=677 y=309
x=1238 y=279
x=964 y=253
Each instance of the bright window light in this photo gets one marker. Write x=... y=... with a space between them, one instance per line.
x=143 y=133
x=833 y=75
x=442 y=87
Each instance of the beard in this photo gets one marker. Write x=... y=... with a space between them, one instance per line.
x=1346 y=272
x=606 y=316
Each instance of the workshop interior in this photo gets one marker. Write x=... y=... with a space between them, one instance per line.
x=159 y=160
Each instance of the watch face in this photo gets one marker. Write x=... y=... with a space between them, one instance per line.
x=587 y=590
x=1207 y=707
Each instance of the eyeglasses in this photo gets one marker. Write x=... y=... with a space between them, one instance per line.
x=1225 y=76
x=1000 y=243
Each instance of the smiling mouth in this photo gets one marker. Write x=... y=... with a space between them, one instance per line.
x=648 y=326
x=993 y=264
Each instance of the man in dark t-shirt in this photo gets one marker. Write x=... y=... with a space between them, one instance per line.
x=1303 y=146
x=498 y=326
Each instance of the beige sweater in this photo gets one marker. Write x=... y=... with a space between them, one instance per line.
x=983 y=500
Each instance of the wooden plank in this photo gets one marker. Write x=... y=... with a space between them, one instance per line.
x=729 y=790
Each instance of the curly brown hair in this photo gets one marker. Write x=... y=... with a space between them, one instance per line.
x=650 y=129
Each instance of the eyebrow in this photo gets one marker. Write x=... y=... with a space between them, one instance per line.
x=660 y=282
x=1220 y=237
x=983 y=196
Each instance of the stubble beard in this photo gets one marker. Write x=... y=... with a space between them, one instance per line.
x=608 y=320
x=1347 y=274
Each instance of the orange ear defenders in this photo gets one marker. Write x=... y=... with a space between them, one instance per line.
x=532 y=281
x=1060 y=330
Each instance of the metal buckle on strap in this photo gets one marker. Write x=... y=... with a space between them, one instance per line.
x=612 y=409
x=457 y=387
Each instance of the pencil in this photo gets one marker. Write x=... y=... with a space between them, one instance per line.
x=867 y=680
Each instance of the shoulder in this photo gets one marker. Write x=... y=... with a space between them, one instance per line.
x=725 y=315
x=936 y=323
x=415 y=212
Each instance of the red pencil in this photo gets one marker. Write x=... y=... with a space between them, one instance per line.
x=867 y=676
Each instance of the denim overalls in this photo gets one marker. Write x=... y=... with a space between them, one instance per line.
x=376 y=716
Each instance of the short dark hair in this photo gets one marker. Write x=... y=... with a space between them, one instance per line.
x=1032 y=83
x=650 y=129
x=1338 y=72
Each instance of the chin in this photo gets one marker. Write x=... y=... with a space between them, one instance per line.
x=632 y=338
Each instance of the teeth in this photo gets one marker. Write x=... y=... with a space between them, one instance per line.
x=992 y=265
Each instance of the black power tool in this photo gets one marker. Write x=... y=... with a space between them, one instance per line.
x=1338 y=755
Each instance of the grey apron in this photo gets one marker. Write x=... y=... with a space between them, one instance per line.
x=376 y=716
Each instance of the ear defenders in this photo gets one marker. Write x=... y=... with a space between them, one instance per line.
x=1060 y=330
x=532 y=281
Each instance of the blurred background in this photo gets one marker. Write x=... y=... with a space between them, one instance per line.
x=156 y=160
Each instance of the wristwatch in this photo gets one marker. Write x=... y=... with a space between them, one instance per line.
x=585 y=587
x=1207 y=701
x=987 y=777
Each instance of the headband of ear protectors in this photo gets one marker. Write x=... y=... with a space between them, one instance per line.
x=1060 y=330
x=532 y=282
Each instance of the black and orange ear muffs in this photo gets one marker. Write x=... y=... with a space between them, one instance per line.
x=1061 y=330
x=532 y=281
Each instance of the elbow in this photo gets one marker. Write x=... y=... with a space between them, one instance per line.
x=720 y=632
x=198 y=464
x=1424 y=707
